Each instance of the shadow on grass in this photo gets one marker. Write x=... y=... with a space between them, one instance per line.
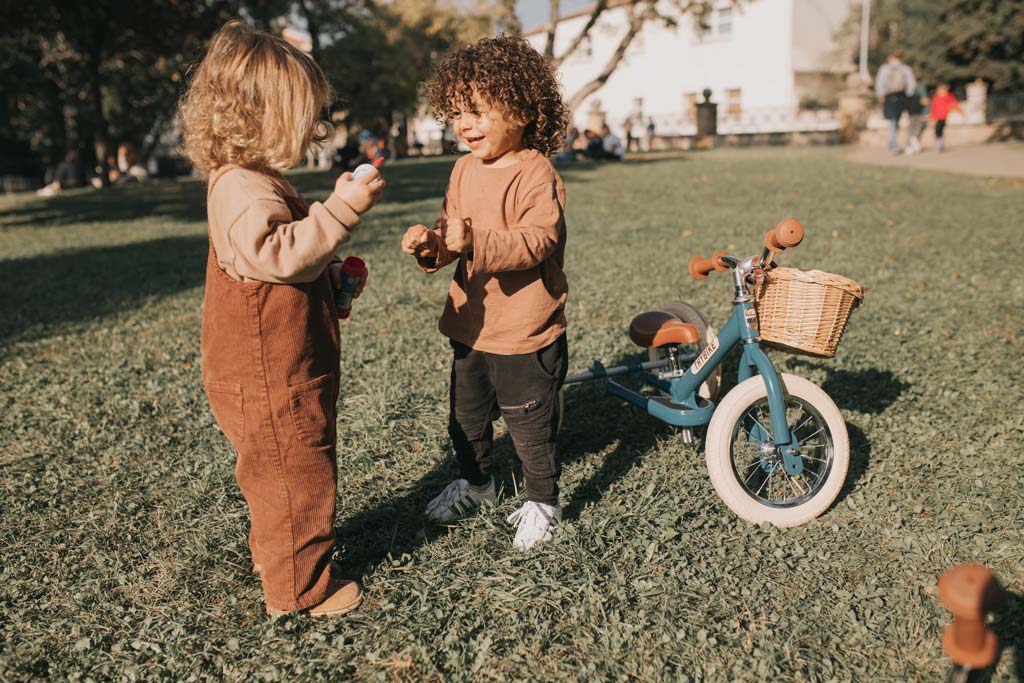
x=1009 y=628
x=860 y=459
x=45 y=292
x=869 y=391
x=594 y=420
x=185 y=200
x=181 y=200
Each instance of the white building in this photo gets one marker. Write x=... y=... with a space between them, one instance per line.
x=771 y=65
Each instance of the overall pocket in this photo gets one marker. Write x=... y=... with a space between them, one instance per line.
x=227 y=405
x=313 y=410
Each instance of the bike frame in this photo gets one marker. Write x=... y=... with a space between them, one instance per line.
x=684 y=407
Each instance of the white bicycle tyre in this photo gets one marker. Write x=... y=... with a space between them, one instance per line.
x=719 y=455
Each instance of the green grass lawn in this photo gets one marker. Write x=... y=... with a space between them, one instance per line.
x=124 y=534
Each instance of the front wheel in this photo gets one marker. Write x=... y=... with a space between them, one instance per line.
x=747 y=470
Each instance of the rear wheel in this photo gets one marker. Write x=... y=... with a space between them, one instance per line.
x=689 y=314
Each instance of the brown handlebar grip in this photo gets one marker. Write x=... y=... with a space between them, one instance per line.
x=788 y=233
x=700 y=266
x=970 y=591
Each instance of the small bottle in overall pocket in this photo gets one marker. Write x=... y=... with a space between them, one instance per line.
x=353 y=271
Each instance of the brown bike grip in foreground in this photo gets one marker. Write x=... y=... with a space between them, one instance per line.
x=970 y=591
x=788 y=233
x=700 y=266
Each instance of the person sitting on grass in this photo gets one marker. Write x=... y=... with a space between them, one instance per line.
x=502 y=220
x=269 y=338
x=612 y=145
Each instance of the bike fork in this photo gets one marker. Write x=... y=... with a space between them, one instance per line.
x=754 y=358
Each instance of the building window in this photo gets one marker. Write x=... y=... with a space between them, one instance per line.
x=724 y=22
x=733 y=102
x=717 y=23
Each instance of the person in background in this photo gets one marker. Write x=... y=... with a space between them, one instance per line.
x=129 y=163
x=943 y=103
x=612 y=145
x=568 y=152
x=595 y=145
x=649 y=140
x=893 y=85
x=68 y=174
x=917 y=108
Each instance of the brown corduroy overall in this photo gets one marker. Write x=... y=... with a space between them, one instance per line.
x=270 y=360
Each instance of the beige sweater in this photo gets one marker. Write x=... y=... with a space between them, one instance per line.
x=507 y=296
x=255 y=234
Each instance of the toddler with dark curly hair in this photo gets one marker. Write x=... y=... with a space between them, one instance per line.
x=503 y=222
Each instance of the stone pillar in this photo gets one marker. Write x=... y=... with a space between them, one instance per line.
x=707 y=122
x=595 y=117
x=855 y=102
x=976 y=104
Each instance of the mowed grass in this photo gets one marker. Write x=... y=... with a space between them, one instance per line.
x=124 y=534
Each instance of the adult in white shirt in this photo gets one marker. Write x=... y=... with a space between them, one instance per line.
x=612 y=144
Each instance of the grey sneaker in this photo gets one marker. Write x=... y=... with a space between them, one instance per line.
x=537 y=522
x=458 y=499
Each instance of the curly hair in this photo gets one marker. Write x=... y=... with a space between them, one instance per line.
x=253 y=101
x=509 y=72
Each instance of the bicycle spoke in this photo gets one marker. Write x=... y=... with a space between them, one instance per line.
x=820 y=430
x=796 y=490
x=767 y=479
x=809 y=418
x=748 y=460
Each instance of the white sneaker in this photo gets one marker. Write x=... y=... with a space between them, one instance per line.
x=458 y=499
x=536 y=522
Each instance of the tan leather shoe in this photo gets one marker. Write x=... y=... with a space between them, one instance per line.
x=343 y=596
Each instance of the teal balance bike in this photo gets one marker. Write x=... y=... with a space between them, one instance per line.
x=776 y=446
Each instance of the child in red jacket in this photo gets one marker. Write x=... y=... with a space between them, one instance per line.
x=943 y=103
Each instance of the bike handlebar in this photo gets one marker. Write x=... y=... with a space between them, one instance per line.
x=788 y=233
x=970 y=592
x=700 y=266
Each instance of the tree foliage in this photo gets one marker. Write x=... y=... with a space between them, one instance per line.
x=384 y=50
x=954 y=41
x=96 y=73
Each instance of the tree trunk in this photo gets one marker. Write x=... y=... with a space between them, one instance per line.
x=599 y=7
x=100 y=132
x=510 y=19
x=639 y=13
x=549 y=46
x=313 y=26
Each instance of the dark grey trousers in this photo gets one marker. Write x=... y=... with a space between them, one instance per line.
x=525 y=390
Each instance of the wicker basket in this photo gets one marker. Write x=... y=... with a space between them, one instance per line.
x=805 y=311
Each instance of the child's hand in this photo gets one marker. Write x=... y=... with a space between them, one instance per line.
x=458 y=235
x=360 y=194
x=335 y=271
x=420 y=242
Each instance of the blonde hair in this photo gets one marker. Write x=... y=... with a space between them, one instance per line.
x=254 y=101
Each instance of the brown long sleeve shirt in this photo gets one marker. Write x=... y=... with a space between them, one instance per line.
x=508 y=295
x=255 y=236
